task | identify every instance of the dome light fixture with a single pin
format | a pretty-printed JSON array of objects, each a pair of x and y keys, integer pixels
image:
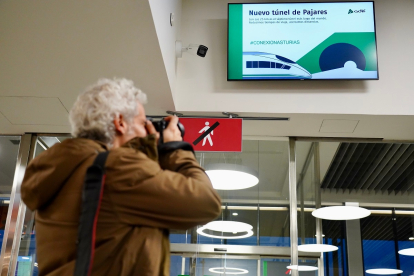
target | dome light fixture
[
  {"x": 317, "y": 248},
  {"x": 228, "y": 270},
  {"x": 302, "y": 267},
  {"x": 407, "y": 252},
  {"x": 341, "y": 213},
  {"x": 231, "y": 176},
  {"x": 234, "y": 227},
  {"x": 384, "y": 271}
]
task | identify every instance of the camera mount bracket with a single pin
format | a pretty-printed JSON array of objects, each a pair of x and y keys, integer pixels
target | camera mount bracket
[{"x": 195, "y": 49}]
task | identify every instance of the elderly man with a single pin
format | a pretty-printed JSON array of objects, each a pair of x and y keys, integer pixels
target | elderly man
[{"x": 147, "y": 190}]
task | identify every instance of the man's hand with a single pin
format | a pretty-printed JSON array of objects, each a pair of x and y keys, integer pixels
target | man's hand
[
  {"x": 151, "y": 129},
  {"x": 172, "y": 133}
]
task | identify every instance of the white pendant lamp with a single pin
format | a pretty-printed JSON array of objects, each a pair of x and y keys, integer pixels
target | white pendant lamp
[
  {"x": 384, "y": 271},
  {"x": 317, "y": 248},
  {"x": 239, "y": 230},
  {"x": 231, "y": 176},
  {"x": 228, "y": 270},
  {"x": 407, "y": 252},
  {"x": 341, "y": 213},
  {"x": 302, "y": 267}
]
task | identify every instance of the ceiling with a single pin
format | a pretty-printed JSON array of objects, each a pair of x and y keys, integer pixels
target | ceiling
[
  {"x": 382, "y": 168},
  {"x": 51, "y": 50}
]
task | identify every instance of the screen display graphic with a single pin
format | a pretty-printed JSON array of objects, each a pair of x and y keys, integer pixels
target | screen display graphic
[{"x": 302, "y": 41}]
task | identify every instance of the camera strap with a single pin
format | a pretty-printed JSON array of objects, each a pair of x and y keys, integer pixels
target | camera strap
[{"x": 91, "y": 200}]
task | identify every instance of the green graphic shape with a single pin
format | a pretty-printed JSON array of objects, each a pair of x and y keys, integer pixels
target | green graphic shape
[
  {"x": 363, "y": 41},
  {"x": 235, "y": 50}
]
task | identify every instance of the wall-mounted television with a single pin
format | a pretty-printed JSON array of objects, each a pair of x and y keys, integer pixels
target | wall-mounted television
[{"x": 306, "y": 41}]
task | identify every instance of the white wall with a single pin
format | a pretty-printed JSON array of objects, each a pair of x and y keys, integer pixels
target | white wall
[
  {"x": 167, "y": 34},
  {"x": 202, "y": 84}
]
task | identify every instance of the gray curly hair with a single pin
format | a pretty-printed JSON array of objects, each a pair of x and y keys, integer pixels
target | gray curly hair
[{"x": 94, "y": 110}]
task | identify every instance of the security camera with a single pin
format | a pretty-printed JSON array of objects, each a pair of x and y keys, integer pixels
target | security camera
[
  {"x": 196, "y": 49},
  {"x": 202, "y": 50}
]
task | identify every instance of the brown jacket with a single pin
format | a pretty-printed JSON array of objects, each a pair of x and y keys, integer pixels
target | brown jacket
[{"x": 144, "y": 196}]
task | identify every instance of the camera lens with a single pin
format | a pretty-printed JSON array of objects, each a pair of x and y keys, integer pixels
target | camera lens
[{"x": 161, "y": 125}]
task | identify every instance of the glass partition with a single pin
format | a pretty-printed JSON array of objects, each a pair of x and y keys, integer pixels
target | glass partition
[
  {"x": 404, "y": 229},
  {"x": 268, "y": 199},
  {"x": 253, "y": 265},
  {"x": 388, "y": 240},
  {"x": 375, "y": 176},
  {"x": 275, "y": 226},
  {"x": 261, "y": 208},
  {"x": 378, "y": 242},
  {"x": 9, "y": 148},
  {"x": 335, "y": 261},
  {"x": 305, "y": 175},
  {"x": 26, "y": 263}
]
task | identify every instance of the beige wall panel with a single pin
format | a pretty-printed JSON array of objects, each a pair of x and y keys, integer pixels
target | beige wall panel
[
  {"x": 34, "y": 111},
  {"x": 57, "y": 48}
]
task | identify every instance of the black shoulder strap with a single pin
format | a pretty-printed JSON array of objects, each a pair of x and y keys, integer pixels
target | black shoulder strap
[{"x": 91, "y": 200}]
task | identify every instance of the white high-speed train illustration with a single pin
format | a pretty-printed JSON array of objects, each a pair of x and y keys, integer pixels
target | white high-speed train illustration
[{"x": 260, "y": 65}]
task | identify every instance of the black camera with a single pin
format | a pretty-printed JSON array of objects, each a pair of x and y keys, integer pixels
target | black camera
[
  {"x": 202, "y": 51},
  {"x": 161, "y": 125}
]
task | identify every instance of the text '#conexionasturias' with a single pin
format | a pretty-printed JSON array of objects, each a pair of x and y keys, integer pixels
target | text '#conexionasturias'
[{"x": 310, "y": 12}]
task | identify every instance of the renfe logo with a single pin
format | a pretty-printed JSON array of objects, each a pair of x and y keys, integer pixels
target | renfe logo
[{"x": 356, "y": 11}]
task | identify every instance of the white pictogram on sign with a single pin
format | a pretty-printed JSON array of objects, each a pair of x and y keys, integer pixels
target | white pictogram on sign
[{"x": 204, "y": 129}]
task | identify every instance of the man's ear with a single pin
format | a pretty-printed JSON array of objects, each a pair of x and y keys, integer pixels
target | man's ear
[{"x": 121, "y": 126}]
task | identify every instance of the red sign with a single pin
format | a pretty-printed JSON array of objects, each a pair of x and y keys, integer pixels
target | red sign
[{"x": 209, "y": 134}]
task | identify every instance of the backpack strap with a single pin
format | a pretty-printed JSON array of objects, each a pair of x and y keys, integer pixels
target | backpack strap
[{"x": 91, "y": 200}]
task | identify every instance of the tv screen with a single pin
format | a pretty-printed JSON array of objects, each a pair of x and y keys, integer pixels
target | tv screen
[{"x": 308, "y": 41}]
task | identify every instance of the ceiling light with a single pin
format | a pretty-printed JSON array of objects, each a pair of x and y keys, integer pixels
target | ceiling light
[
  {"x": 302, "y": 267},
  {"x": 407, "y": 252},
  {"x": 231, "y": 176},
  {"x": 411, "y": 238},
  {"x": 228, "y": 270},
  {"x": 317, "y": 248},
  {"x": 235, "y": 214},
  {"x": 341, "y": 213},
  {"x": 384, "y": 271},
  {"x": 322, "y": 235},
  {"x": 227, "y": 227}
]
